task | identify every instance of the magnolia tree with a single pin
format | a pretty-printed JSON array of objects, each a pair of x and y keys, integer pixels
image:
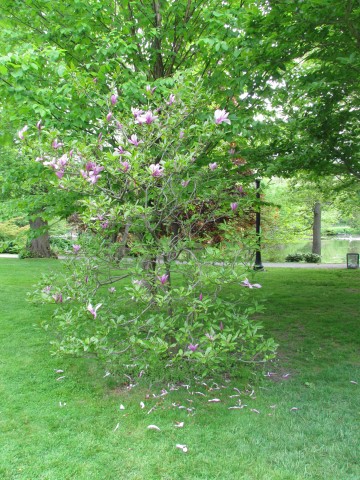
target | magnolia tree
[{"x": 139, "y": 293}]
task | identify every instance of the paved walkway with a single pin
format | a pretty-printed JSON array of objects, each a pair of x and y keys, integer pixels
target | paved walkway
[{"x": 266, "y": 264}]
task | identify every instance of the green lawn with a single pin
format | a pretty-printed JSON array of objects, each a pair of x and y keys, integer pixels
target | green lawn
[{"x": 300, "y": 422}]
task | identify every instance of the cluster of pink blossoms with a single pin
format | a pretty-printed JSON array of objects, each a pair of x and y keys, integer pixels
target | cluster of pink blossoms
[{"x": 91, "y": 172}]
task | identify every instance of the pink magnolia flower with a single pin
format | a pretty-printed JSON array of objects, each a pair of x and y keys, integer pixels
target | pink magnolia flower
[
  {"x": 134, "y": 140},
  {"x": 156, "y": 170},
  {"x": 200, "y": 297},
  {"x": 55, "y": 144},
  {"x": 213, "y": 166},
  {"x": 91, "y": 173},
  {"x": 246, "y": 283},
  {"x": 47, "y": 289},
  {"x": 112, "y": 289},
  {"x": 58, "y": 297},
  {"x": 120, "y": 151},
  {"x": 171, "y": 99},
  {"x": 22, "y": 131},
  {"x": 192, "y": 347},
  {"x": 125, "y": 166},
  {"x": 113, "y": 99},
  {"x": 105, "y": 224},
  {"x": 163, "y": 279},
  {"x": 93, "y": 310},
  {"x": 185, "y": 183},
  {"x": 234, "y": 206},
  {"x": 109, "y": 116},
  {"x": 76, "y": 248},
  {"x": 147, "y": 118},
  {"x": 150, "y": 90},
  {"x": 39, "y": 126},
  {"x": 60, "y": 173},
  {"x": 221, "y": 117},
  {"x": 240, "y": 189},
  {"x": 136, "y": 112}
]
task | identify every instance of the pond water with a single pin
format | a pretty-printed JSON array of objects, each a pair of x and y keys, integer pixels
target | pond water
[{"x": 333, "y": 249}]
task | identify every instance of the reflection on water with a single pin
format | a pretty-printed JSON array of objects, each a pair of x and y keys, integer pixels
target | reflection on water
[{"x": 333, "y": 250}]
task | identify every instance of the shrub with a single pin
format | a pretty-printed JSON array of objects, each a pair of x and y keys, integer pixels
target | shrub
[
  {"x": 9, "y": 247},
  {"x": 294, "y": 257},
  {"x": 312, "y": 258}
]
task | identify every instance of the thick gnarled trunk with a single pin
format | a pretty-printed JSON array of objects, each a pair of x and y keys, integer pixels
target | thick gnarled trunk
[{"x": 40, "y": 241}]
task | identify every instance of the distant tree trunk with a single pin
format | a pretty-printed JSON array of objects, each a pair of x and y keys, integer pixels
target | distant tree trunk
[
  {"x": 40, "y": 243},
  {"x": 316, "y": 245}
]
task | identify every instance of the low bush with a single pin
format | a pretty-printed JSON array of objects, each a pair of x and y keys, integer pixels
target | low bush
[
  {"x": 294, "y": 257},
  {"x": 312, "y": 258}
]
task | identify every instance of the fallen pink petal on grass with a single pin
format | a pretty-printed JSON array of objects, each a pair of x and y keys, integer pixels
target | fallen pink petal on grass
[
  {"x": 254, "y": 410},
  {"x": 142, "y": 405},
  {"x": 353, "y": 382},
  {"x": 179, "y": 424},
  {"x": 153, "y": 427},
  {"x": 184, "y": 448},
  {"x": 121, "y": 407},
  {"x": 214, "y": 400}
]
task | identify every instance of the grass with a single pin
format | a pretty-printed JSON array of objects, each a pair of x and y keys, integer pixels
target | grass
[{"x": 300, "y": 421}]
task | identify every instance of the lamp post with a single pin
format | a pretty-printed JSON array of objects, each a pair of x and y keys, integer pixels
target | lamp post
[{"x": 258, "y": 264}]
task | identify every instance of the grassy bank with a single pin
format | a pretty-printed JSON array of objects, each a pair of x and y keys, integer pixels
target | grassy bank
[{"x": 300, "y": 420}]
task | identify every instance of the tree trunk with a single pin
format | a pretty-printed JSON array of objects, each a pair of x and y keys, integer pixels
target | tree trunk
[
  {"x": 316, "y": 245},
  {"x": 40, "y": 241}
]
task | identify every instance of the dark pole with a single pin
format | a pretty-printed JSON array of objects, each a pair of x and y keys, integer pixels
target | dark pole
[{"x": 258, "y": 264}]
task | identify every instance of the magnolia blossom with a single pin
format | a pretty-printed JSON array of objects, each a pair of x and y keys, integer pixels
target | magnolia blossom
[
  {"x": 234, "y": 206},
  {"x": 147, "y": 117},
  {"x": 213, "y": 166},
  {"x": 156, "y": 170},
  {"x": 113, "y": 99},
  {"x": 150, "y": 90},
  {"x": 112, "y": 289},
  {"x": 58, "y": 297},
  {"x": 109, "y": 116},
  {"x": 60, "y": 173},
  {"x": 136, "y": 111},
  {"x": 55, "y": 144},
  {"x": 58, "y": 165},
  {"x": 221, "y": 117},
  {"x": 22, "y": 131},
  {"x": 47, "y": 289},
  {"x": 93, "y": 310},
  {"x": 200, "y": 297},
  {"x": 105, "y": 224},
  {"x": 246, "y": 283},
  {"x": 134, "y": 140},
  {"x": 171, "y": 99},
  {"x": 163, "y": 279},
  {"x": 120, "y": 151},
  {"x": 76, "y": 248},
  {"x": 185, "y": 183},
  {"x": 125, "y": 166},
  {"x": 91, "y": 172},
  {"x": 193, "y": 347},
  {"x": 39, "y": 126}
]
